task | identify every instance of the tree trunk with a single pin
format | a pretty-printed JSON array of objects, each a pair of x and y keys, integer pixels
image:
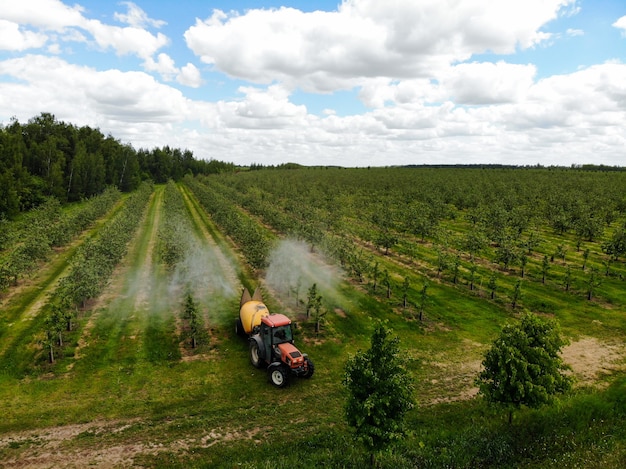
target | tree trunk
[
  {"x": 69, "y": 184},
  {"x": 123, "y": 171}
]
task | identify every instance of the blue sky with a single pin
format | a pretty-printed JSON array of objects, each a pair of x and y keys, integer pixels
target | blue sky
[{"x": 353, "y": 82}]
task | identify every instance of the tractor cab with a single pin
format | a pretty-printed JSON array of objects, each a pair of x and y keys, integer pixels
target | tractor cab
[{"x": 277, "y": 337}]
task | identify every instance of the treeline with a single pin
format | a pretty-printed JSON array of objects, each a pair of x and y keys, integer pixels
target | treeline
[
  {"x": 259, "y": 166},
  {"x": 49, "y": 158}
]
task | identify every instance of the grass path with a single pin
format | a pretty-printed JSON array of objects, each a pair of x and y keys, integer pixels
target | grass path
[
  {"x": 221, "y": 271},
  {"x": 209, "y": 235},
  {"x": 114, "y": 332}
]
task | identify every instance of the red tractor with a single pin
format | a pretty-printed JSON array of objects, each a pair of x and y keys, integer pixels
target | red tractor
[{"x": 271, "y": 341}]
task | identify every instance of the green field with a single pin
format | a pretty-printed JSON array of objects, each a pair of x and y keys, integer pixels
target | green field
[{"x": 127, "y": 389}]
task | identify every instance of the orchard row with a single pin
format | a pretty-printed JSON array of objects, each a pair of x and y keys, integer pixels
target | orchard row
[
  {"x": 496, "y": 232},
  {"x": 92, "y": 267},
  {"x": 26, "y": 243}
]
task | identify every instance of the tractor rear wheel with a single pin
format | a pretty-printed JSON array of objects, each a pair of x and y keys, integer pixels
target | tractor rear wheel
[
  {"x": 239, "y": 327},
  {"x": 255, "y": 354},
  {"x": 279, "y": 375}
]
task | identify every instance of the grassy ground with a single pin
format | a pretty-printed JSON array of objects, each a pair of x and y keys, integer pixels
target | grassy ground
[{"x": 128, "y": 391}]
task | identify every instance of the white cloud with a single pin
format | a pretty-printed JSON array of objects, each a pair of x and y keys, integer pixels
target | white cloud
[
  {"x": 136, "y": 17},
  {"x": 54, "y": 49},
  {"x": 189, "y": 75},
  {"x": 163, "y": 65},
  {"x": 13, "y": 38},
  {"x": 488, "y": 83},
  {"x": 53, "y": 15},
  {"x": 621, "y": 24},
  {"x": 556, "y": 120},
  {"x": 464, "y": 84},
  {"x": 364, "y": 39},
  {"x": 575, "y": 32},
  {"x": 113, "y": 100},
  {"x": 127, "y": 40},
  {"x": 262, "y": 109}
]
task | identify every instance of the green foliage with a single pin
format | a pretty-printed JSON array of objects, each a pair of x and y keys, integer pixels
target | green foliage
[
  {"x": 174, "y": 231},
  {"x": 423, "y": 299},
  {"x": 314, "y": 300},
  {"x": 195, "y": 330},
  {"x": 475, "y": 242},
  {"x": 517, "y": 293},
  {"x": 386, "y": 281},
  {"x": 492, "y": 285},
  {"x": 567, "y": 278},
  {"x": 384, "y": 223},
  {"x": 593, "y": 282},
  {"x": 523, "y": 367},
  {"x": 406, "y": 285},
  {"x": 380, "y": 391},
  {"x": 507, "y": 252},
  {"x": 616, "y": 246},
  {"x": 545, "y": 267}
]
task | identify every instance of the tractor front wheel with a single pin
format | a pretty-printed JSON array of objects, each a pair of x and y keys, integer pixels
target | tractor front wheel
[
  {"x": 279, "y": 375},
  {"x": 310, "y": 368}
]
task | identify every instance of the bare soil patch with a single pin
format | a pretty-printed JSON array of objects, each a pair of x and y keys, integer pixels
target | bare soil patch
[
  {"x": 591, "y": 359},
  {"x": 64, "y": 447}
]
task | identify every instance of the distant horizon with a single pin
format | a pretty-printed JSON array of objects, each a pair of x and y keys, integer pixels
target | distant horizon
[
  {"x": 455, "y": 165},
  {"x": 353, "y": 83}
]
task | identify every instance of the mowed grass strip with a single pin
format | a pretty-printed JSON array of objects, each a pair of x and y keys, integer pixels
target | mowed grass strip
[{"x": 117, "y": 334}]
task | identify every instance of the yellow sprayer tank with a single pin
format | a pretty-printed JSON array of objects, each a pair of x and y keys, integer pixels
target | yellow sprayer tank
[{"x": 252, "y": 309}]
